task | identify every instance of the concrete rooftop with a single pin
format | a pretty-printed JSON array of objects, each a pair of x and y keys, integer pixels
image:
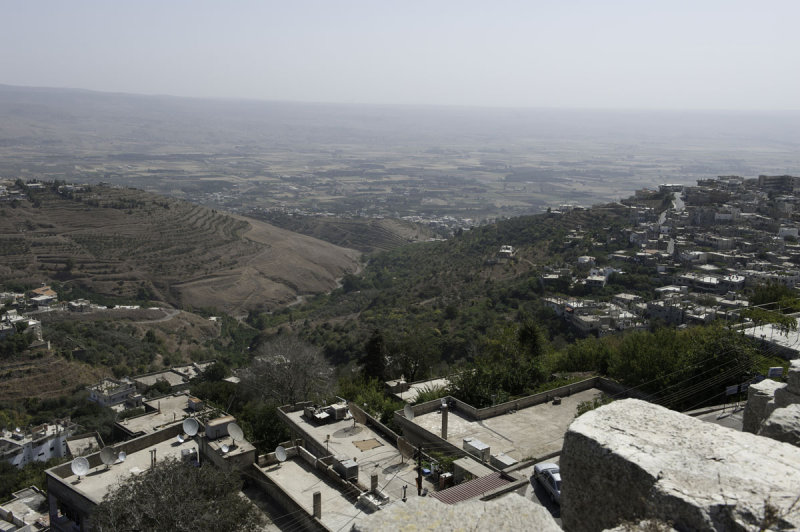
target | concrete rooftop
[
  {"x": 100, "y": 480},
  {"x": 414, "y": 389},
  {"x": 383, "y": 459},
  {"x": 172, "y": 408},
  {"x": 296, "y": 478},
  {"x": 530, "y": 432}
]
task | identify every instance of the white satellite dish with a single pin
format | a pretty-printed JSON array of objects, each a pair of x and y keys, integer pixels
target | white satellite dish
[
  {"x": 80, "y": 466},
  {"x": 121, "y": 456},
  {"x": 225, "y": 448},
  {"x": 108, "y": 456},
  {"x": 408, "y": 411},
  {"x": 190, "y": 426},
  {"x": 181, "y": 439},
  {"x": 406, "y": 449},
  {"x": 235, "y": 432},
  {"x": 280, "y": 453}
]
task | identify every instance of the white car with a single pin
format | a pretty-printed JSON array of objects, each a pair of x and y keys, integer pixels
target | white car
[{"x": 549, "y": 476}]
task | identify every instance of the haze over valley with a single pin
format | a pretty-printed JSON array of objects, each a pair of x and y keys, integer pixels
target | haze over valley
[{"x": 424, "y": 163}]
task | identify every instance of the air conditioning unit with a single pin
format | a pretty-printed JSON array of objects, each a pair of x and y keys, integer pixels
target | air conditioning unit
[
  {"x": 477, "y": 448},
  {"x": 347, "y": 469}
]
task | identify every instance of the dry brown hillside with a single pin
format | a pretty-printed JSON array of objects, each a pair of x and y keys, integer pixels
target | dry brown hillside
[{"x": 129, "y": 243}]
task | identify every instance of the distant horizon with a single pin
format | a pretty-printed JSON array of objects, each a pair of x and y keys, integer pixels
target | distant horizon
[
  {"x": 622, "y": 55},
  {"x": 411, "y": 105}
]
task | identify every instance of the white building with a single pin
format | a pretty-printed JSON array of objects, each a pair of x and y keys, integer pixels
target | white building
[{"x": 38, "y": 444}]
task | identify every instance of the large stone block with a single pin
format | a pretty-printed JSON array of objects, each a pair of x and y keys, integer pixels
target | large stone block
[
  {"x": 783, "y": 424},
  {"x": 758, "y": 405},
  {"x": 631, "y": 460},
  {"x": 793, "y": 377}
]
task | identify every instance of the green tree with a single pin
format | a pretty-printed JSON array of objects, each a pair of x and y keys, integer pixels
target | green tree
[
  {"x": 374, "y": 359},
  {"x": 176, "y": 496}
]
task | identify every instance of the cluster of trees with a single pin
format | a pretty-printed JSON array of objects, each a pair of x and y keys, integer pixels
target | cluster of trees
[
  {"x": 177, "y": 496},
  {"x": 15, "y": 344},
  {"x": 681, "y": 369}
]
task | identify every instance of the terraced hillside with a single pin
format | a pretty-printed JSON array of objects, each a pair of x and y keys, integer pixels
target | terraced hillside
[
  {"x": 131, "y": 244},
  {"x": 363, "y": 234}
]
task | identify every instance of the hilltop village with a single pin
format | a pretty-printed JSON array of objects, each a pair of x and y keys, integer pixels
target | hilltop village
[{"x": 445, "y": 464}]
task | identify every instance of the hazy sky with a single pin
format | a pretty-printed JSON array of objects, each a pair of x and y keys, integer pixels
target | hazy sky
[{"x": 720, "y": 54}]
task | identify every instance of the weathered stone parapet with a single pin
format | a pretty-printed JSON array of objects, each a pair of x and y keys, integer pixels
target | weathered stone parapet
[
  {"x": 758, "y": 406},
  {"x": 783, "y": 424},
  {"x": 631, "y": 460},
  {"x": 510, "y": 513}
]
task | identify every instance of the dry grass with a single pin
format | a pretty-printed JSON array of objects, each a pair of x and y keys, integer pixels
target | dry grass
[
  {"x": 125, "y": 242},
  {"x": 42, "y": 375}
]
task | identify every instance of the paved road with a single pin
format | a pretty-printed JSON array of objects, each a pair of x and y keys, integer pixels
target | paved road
[{"x": 538, "y": 494}]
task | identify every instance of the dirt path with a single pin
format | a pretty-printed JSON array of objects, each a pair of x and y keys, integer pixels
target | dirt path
[{"x": 170, "y": 313}]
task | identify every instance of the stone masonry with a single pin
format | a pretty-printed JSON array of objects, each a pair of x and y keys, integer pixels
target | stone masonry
[
  {"x": 631, "y": 460},
  {"x": 768, "y": 399}
]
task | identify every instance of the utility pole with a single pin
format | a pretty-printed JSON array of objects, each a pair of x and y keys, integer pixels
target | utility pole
[{"x": 419, "y": 470}]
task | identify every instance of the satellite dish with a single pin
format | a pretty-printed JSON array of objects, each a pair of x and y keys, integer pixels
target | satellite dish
[
  {"x": 358, "y": 415},
  {"x": 225, "y": 448},
  {"x": 121, "y": 456},
  {"x": 108, "y": 456},
  {"x": 408, "y": 411},
  {"x": 80, "y": 466},
  {"x": 406, "y": 449},
  {"x": 235, "y": 432},
  {"x": 280, "y": 453},
  {"x": 181, "y": 439},
  {"x": 190, "y": 426}
]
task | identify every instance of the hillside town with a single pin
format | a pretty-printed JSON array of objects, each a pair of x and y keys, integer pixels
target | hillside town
[
  {"x": 344, "y": 469},
  {"x": 713, "y": 240}
]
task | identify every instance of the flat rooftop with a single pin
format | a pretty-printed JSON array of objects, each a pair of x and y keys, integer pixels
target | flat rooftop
[
  {"x": 410, "y": 395},
  {"x": 172, "y": 408},
  {"x": 100, "y": 480},
  {"x": 372, "y": 453},
  {"x": 174, "y": 379},
  {"x": 298, "y": 479},
  {"x": 774, "y": 334},
  {"x": 29, "y": 505},
  {"x": 527, "y": 433},
  {"x": 83, "y": 445}
]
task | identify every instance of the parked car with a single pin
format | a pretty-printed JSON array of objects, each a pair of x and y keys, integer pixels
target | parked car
[{"x": 549, "y": 476}]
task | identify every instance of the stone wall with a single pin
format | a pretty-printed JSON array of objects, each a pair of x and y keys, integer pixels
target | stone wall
[
  {"x": 510, "y": 513},
  {"x": 631, "y": 460},
  {"x": 769, "y": 399}
]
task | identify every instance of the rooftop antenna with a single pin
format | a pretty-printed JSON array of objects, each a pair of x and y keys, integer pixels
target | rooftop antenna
[
  {"x": 235, "y": 432},
  {"x": 408, "y": 411},
  {"x": 181, "y": 438},
  {"x": 225, "y": 449},
  {"x": 108, "y": 456},
  {"x": 280, "y": 453},
  {"x": 80, "y": 466},
  {"x": 121, "y": 457}
]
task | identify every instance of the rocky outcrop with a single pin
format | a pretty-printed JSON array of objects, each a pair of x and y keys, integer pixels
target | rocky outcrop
[
  {"x": 630, "y": 461},
  {"x": 510, "y": 513},
  {"x": 766, "y": 398},
  {"x": 783, "y": 425},
  {"x": 760, "y": 398}
]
